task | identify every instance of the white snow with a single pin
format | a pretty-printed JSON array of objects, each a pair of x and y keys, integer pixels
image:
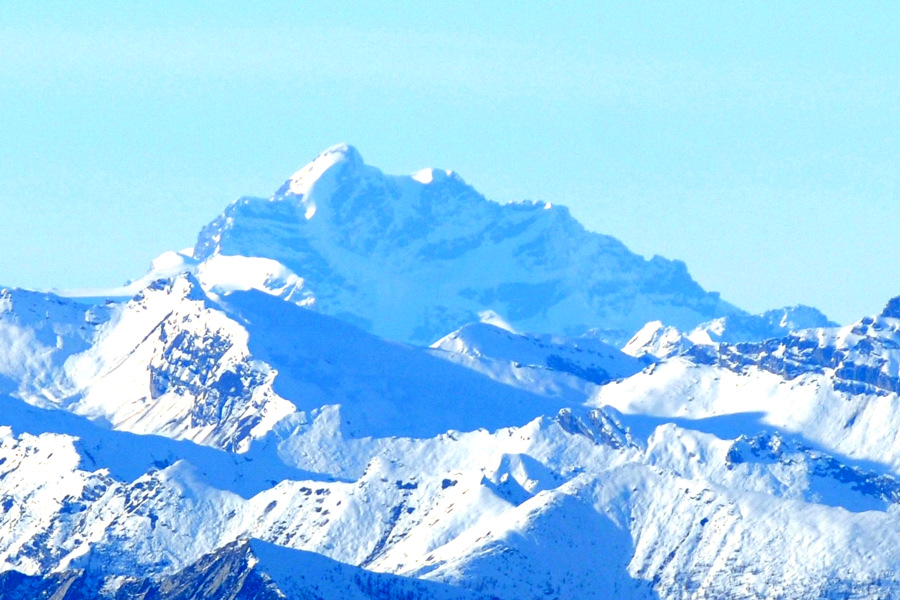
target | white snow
[{"x": 212, "y": 406}]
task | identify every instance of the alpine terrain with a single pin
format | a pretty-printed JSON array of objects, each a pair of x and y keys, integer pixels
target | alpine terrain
[{"x": 371, "y": 386}]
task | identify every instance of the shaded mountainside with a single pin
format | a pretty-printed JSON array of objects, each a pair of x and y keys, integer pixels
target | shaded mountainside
[{"x": 244, "y": 570}]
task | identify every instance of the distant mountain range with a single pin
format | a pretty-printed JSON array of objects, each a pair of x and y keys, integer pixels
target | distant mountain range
[{"x": 375, "y": 387}]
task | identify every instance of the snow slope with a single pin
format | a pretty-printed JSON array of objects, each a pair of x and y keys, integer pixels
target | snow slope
[
  {"x": 565, "y": 368},
  {"x": 570, "y": 506},
  {"x": 834, "y": 387},
  {"x": 174, "y": 362}
]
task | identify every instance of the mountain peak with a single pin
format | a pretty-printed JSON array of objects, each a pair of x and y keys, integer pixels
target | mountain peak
[
  {"x": 411, "y": 257},
  {"x": 335, "y": 158},
  {"x": 339, "y": 153}
]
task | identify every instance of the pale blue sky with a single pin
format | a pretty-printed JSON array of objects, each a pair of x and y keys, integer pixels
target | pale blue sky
[{"x": 755, "y": 141}]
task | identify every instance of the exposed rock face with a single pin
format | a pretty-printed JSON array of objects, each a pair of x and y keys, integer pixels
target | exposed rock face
[
  {"x": 413, "y": 258},
  {"x": 862, "y": 357},
  {"x": 245, "y": 570},
  {"x": 658, "y": 340},
  {"x": 61, "y": 586}
]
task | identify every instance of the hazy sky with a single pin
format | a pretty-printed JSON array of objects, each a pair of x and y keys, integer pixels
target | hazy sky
[{"x": 758, "y": 142}]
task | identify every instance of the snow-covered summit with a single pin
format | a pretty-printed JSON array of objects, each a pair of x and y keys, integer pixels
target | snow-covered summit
[
  {"x": 331, "y": 161},
  {"x": 414, "y": 257}
]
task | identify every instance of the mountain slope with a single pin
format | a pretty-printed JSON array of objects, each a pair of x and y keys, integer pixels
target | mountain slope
[
  {"x": 665, "y": 512},
  {"x": 412, "y": 258},
  {"x": 175, "y": 362},
  {"x": 835, "y": 388},
  {"x": 244, "y": 570},
  {"x": 568, "y": 369},
  {"x": 229, "y": 430}
]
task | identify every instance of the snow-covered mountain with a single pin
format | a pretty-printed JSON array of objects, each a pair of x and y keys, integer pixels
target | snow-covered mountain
[
  {"x": 661, "y": 340},
  {"x": 251, "y": 422},
  {"x": 412, "y": 258},
  {"x": 575, "y": 502}
]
